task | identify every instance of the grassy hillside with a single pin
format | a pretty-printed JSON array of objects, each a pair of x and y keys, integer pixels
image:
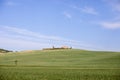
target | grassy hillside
[
  {"x": 77, "y": 58},
  {"x": 60, "y": 65}
]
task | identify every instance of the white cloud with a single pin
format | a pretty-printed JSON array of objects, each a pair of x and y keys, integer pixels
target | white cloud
[
  {"x": 115, "y": 4},
  {"x": 25, "y": 32},
  {"x": 89, "y": 10},
  {"x": 111, "y": 25},
  {"x": 68, "y": 15},
  {"x": 18, "y": 44},
  {"x": 86, "y": 9},
  {"x": 14, "y": 37}
]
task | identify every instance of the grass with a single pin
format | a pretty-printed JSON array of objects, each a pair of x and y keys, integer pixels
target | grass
[
  {"x": 60, "y": 65},
  {"x": 37, "y": 73}
]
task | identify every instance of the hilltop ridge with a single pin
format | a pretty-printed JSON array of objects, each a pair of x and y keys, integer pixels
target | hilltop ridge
[{"x": 4, "y": 50}]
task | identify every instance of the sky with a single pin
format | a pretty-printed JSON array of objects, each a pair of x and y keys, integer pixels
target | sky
[{"x": 81, "y": 24}]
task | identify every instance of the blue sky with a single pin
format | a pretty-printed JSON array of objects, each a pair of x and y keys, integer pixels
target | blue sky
[{"x": 82, "y": 24}]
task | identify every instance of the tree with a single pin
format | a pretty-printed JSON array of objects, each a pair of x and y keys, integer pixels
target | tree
[{"x": 16, "y": 61}]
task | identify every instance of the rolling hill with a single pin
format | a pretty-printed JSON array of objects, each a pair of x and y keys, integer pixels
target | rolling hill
[
  {"x": 64, "y": 64},
  {"x": 66, "y": 58}
]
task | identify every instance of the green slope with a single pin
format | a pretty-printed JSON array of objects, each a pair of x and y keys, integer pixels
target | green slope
[
  {"x": 66, "y": 58},
  {"x": 60, "y": 65}
]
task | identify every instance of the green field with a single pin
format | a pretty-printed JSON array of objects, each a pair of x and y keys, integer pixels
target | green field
[{"x": 60, "y": 65}]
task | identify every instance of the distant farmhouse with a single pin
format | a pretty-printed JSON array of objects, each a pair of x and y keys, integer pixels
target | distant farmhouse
[{"x": 57, "y": 48}]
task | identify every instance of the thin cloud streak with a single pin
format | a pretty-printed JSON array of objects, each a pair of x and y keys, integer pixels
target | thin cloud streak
[
  {"x": 18, "y": 44},
  {"x": 68, "y": 15},
  {"x": 86, "y": 9},
  {"x": 28, "y": 33},
  {"x": 89, "y": 10},
  {"x": 110, "y": 25},
  {"x": 115, "y": 4},
  {"x": 18, "y": 37}
]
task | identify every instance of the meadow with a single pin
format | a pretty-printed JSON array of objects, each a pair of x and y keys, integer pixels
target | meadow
[{"x": 60, "y": 65}]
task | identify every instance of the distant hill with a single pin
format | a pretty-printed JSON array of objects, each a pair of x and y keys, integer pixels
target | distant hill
[{"x": 4, "y": 51}]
